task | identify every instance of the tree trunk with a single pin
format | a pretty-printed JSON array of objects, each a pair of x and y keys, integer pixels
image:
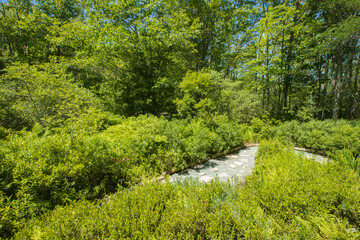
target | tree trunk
[
  {"x": 324, "y": 86},
  {"x": 286, "y": 84},
  {"x": 350, "y": 100},
  {"x": 279, "y": 106},
  {"x": 319, "y": 92},
  {"x": 267, "y": 74},
  {"x": 289, "y": 59},
  {"x": 357, "y": 74},
  {"x": 337, "y": 84}
]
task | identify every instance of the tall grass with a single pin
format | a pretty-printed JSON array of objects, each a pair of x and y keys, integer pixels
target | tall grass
[{"x": 347, "y": 158}]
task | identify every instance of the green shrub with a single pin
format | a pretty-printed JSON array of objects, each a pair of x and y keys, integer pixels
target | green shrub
[
  {"x": 3, "y": 133},
  {"x": 183, "y": 211},
  {"x": 289, "y": 185},
  {"x": 287, "y": 194},
  {"x": 323, "y": 136},
  {"x": 38, "y": 173},
  {"x": 198, "y": 141},
  {"x": 89, "y": 158},
  {"x": 147, "y": 140},
  {"x": 347, "y": 158},
  {"x": 230, "y": 132},
  {"x": 206, "y": 93},
  {"x": 261, "y": 129},
  {"x": 287, "y": 197},
  {"x": 201, "y": 94},
  {"x": 8, "y": 220},
  {"x": 44, "y": 94}
]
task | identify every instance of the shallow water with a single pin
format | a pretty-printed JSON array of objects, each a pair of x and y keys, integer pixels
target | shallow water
[{"x": 236, "y": 165}]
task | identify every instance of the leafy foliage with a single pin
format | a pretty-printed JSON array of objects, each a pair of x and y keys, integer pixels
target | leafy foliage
[
  {"x": 201, "y": 93},
  {"x": 90, "y": 158},
  {"x": 347, "y": 158},
  {"x": 288, "y": 196},
  {"x": 206, "y": 93},
  {"x": 41, "y": 94},
  {"x": 203, "y": 65},
  {"x": 323, "y": 136}
]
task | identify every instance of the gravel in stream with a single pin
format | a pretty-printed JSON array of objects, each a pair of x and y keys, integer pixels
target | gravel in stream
[{"x": 237, "y": 165}]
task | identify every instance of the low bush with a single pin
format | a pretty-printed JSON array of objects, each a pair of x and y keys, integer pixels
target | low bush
[
  {"x": 91, "y": 157},
  {"x": 289, "y": 185},
  {"x": 287, "y": 197},
  {"x": 4, "y": 133},
  {"x": 322, "y": 136},
  {"x": 347, "y": 158},
  {"x": 39, "y": 173},
  {"x": 326, "y": 136},
  {"x": 189, "y": 211},
  {"x": 177, "y": 142},
  {"x": 287, "y": 194}
]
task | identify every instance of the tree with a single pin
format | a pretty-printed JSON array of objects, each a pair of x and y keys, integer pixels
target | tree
[
  {"x": 340, "y": 44},
  {"x": 41, "y": 94}
]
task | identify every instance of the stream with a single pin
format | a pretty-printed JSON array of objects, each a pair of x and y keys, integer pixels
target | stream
[{"x": 236, "y": 165}]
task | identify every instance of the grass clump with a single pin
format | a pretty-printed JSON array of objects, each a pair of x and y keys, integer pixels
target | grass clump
[{"x": 348, "y": 158}]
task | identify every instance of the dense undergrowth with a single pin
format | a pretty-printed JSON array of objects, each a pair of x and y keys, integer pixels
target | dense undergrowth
[
  {"x": 92, "y": 157},
  {"x": 339, "y": 140},
  {"x": 326, "y": 136},
  {"x": 287, "y": 197},
  {"x": 100, "y": 153}
]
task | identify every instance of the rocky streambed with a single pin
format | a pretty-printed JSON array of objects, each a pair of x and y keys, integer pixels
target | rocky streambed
[{"x": 236, "y": 165}]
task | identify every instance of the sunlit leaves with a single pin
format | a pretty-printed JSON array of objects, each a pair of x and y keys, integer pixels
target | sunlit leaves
[{"x": 43, "y": 94}]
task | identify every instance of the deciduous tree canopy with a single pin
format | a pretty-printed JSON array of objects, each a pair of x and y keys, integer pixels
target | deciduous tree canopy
[{"x": 293, "y": 57}]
